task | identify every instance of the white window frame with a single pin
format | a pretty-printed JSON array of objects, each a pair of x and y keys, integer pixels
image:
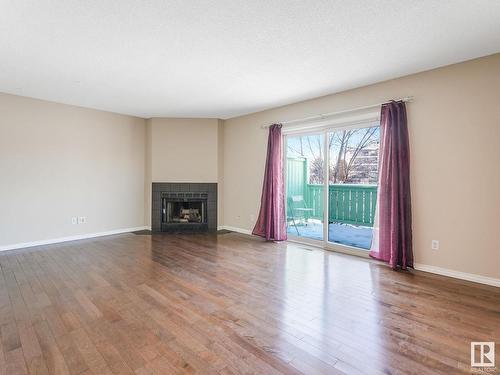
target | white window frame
[{"x": 324, "y": 127}]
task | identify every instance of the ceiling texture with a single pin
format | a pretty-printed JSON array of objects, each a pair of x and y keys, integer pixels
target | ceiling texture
[{"x": 224, "y": 58}]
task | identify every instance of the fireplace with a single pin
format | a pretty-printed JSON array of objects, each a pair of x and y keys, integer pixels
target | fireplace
[{"x": 184, "y": 207}]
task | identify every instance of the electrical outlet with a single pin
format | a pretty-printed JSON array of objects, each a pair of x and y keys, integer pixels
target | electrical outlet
[
  {"x": 435, "y": 245},
  {"x": 74, "y": 220},
  {"x": 82, "y": 220}
]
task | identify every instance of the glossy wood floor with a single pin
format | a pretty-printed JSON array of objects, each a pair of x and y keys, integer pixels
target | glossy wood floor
[{"x": 231, "y": 304}]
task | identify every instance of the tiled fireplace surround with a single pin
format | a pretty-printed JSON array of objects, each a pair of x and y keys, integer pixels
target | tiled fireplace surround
[{"x": 159, "y": 187}]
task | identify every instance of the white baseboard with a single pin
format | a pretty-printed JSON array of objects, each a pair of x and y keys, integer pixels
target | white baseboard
[
  {"x": 234, "y": 229},
  {"x": 69, "y": 238},
  {"x": 458, "y": 274}
]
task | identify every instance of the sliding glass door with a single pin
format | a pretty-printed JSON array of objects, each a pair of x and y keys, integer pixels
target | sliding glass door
[
  {"x": 331, "y": 184},
  {"x": 304, "y": 185},
  {"x": 352, "y": 185}
]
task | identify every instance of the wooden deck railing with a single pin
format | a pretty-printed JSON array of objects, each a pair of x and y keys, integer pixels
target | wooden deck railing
[{"x": 350, "y": 204}]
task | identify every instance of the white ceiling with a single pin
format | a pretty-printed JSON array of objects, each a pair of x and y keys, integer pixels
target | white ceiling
[{"x": 222, "y": 58}]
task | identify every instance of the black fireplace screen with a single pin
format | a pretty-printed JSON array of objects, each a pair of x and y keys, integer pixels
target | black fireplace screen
[{"x": 184, "y": 208}]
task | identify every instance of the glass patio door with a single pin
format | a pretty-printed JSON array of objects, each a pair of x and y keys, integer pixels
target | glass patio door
[
  {"x": 331, "y": 184},
  {"x": 352, "y": 184},
  {"x": 305, "y": 160}
]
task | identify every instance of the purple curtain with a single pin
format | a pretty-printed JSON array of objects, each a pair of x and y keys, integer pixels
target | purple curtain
[
  {"x": 271, "y": 223},
  {"x": 394, "y": 242}
]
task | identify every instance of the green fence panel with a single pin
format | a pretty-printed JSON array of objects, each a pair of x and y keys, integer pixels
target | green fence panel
[
  {"x": 352, "y": 204},
  {"x": 296, "y": 176},
  {"x": 348, "y": 203}
]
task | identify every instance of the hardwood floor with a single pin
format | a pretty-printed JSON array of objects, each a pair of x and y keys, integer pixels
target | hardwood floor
[{"x": 231, "y": 304}]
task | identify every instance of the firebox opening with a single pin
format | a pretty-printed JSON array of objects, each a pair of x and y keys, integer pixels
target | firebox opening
[
  {"x": 184, "y": 212},
  {"x": 187, "y": 209}
]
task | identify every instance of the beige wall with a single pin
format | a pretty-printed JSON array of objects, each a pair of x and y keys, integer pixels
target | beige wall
[
  {"x": 182, "y": 150},
  {"x": 69, "y": 161},
  {"x": 220, "y": 173},
  {"x": 455, "y": 148},
  {"x": 58, "y": 161},
  {"x": 148, "y": 174}
]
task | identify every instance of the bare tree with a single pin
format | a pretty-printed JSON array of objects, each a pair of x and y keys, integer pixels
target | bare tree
[
  {"x": 343, "y": 139},
  {"x": 366, "y": 140},
  {"x": 310, "y": 147},
  {"x": 350, "y": 143},
  {"x": 316, "y": 171}
]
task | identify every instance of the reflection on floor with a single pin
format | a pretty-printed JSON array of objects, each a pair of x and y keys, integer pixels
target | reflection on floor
[
  {"x": 231, "y": 304},
  {"x": 345, "y": 234}
]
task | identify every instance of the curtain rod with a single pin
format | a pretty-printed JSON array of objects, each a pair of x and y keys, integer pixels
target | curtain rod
[{"x": 324, "y": 115}]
